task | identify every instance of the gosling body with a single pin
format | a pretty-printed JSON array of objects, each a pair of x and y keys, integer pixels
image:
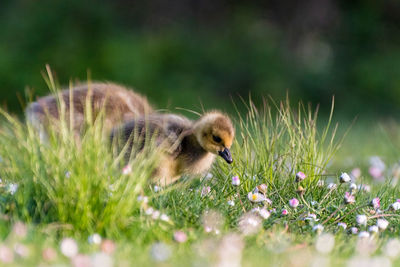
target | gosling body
[
  {"x": 190, "y": 146},
  {"x": 118, "y": 103}
]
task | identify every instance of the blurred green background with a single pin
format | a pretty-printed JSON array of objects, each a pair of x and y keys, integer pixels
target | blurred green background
[{"x": 198, "y": 53}]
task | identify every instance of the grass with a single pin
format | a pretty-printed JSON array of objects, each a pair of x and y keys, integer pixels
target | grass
[{"x": 75, "y": 188}]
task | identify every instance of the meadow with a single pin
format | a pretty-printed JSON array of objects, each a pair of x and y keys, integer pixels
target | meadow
[{"x": 302, "y": 191}]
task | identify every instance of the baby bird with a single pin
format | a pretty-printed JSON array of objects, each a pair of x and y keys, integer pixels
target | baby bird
[
  {"x": 191, "y": 147},
  {"x": 119, "y": 104}
]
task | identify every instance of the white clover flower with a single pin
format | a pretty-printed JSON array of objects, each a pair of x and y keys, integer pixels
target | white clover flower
[
  {"x": 231, "y": 202},
  {"x": 205, "y": 191},
  {"x": 364, "y": 187},
  {"x": 294, "y": 202},
  {"x": 157, "y": 188},
  {"x": 318, "y": 228},
  {"x": 256, "y": 197},
  {"x": 363, "y": 234},
  {"x": 382, "y": 224},
  {"x": 311, "y": 217},
  {"x": 300, "y": 176},
  {"x": 164, "y": 217},
  {"x": 342, "y": 225},
  {"x": 395, "y": 206},
  {"x": 149, "y": 211},
  {"x": 354, "y": 230},
  {"x": 156, "y": 214},
  {"x": 127, "y": 170},
  {"x": 349, "y": 198},
  {"x": 376, "y": 203},
  {"x": 331, "y": 186},
  {"x": 94, "y": 239},
  {"x": 143, "y": 199},
  {"x": 235, "y": 180},
  {"x": 361, "y": 219},
  {"x": 12, "y": 188},
  {"x": 180, "y": 236},
  {"x": 353, "y": 187},
  {"x": 344, "y": 178},
  {"x": 69, "y": 247},
  {"x": 373, "y": 229},
  {"x": 264, "y": 213}
]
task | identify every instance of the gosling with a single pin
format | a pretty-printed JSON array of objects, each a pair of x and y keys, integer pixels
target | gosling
[
  {"x": 191, "y": 147},
  {"x": 119, "y": 104}
]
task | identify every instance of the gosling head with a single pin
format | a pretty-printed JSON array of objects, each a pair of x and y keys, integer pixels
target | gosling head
[{"x": 214, "y": 132}]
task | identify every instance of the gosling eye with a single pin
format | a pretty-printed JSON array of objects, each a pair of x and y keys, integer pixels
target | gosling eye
[{"x": 217, "y": 139}]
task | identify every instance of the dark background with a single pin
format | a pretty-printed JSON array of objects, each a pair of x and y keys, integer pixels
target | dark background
[{"x": 199, "y": 52}]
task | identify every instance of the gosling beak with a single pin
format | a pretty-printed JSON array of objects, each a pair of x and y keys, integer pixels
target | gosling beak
[{"x": 226, "y": 155}]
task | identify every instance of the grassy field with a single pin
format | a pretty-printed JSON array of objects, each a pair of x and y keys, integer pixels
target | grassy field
[{"x": 299, "y": 193}]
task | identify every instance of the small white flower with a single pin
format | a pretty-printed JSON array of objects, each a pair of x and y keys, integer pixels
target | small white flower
[
  {"x": 231, "y": 202},
  {"x": 143, "y": 199},
  {"x": 363, "y": 234},
  {"x": 361, "y": 219},
  {"x": 354, "y": 230},
  {"x": 235, "y": 180},
  {"x": 373, "y": 229},
  {"x": 382, "y": 224},
  {"x": 256, "y": 197},
  {"x": 94, "y": 239},
  {"x": 12, "y": 188},
  {"x": 395, "y": 206},
  {"x": 155, "y": 215},
  {"x": 293, "y": 202},
  {"x": 180, "y": 236},
  {"x": 318, "y": 228},
  {"x": 364, "y": 187},
  {"x": 353, "y": 187},
  {"x": 313, "y": 203},
  {"x": 127, "y": 170},
  {"x": 344, "y": 178},
  {"x": 164, "y": 217},
  {"x": 331, "y": 186},
  {"x": 311, "y": 217},
  {"x": 69, "y": 247},
  {"x": 376, "y": 203},
  {"x": 342, "y": 225},
  {"x": 157, "y": 188},
  {"x": 264, "y": 213},
  {"x": 300, "y": 176},
  {"x": 205, "y": 191},
  {"x": 149, "y": 211}
]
